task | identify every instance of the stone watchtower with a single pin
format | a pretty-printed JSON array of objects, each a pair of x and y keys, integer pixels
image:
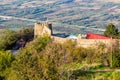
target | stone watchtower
[{"x": 41, "y": 29}]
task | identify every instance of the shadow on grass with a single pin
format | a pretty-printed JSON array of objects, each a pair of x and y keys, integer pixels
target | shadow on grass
[{"x": 84, "y": 73}]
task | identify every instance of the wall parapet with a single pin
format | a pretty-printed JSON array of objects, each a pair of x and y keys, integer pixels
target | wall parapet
[{"x": 88, "y": 42}]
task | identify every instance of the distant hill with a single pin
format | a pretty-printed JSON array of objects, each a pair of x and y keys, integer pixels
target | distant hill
[
  {"x": 88, "y": 14},
  {"x": 115, "y": 1}
]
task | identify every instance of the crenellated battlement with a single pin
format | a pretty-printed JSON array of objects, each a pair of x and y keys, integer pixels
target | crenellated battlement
[{"x": 43, "y": 24}]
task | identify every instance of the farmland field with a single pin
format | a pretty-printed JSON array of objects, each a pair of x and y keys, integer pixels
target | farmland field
[{"x": 70, "y": 16}]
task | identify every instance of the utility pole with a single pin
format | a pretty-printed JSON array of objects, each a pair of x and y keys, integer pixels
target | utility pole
[{"x": 111, "y": 53}]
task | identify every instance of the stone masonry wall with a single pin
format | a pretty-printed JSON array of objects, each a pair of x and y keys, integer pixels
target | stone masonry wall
[
  {"x": 94, "y": 42},
  {"x": 43, "y": 28},
  {"x": 87, "y": 42},
  {"x": 46, "y": 28},
  {"x": 58, "y": 39}
]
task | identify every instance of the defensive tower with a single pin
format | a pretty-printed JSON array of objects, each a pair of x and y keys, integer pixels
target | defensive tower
[{"x": 41, "y": 29}]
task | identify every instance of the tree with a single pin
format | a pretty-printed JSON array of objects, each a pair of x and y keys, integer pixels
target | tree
[
  {"x": 116, "y": 60},
  {"x": 26, "y": 34},
  {"x": 7, "y": 39},
  {"x": 30, "y": 63},
  {"x": 111, "y": 30},
  {"x": 6, "y": 58},
  {"x": 119, "y": 35}
]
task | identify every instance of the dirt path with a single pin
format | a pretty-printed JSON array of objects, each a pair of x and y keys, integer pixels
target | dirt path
[{"x": 105, "y": 70}]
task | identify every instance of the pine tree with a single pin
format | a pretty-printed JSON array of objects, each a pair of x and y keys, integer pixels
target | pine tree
[{"x": 111, "y": 30}]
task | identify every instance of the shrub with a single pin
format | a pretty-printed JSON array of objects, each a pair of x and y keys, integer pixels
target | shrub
[
  {"x": 5, "y": 60},
  {"x": 116, "y": 60},
  {"x": 7, "y": 39}
]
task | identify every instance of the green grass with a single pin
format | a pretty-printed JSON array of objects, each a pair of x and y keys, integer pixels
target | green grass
[
  {"x": 90, "y": 74},
  {"x": 73, "y": 66},
  {"x": 100, "y": 67}
]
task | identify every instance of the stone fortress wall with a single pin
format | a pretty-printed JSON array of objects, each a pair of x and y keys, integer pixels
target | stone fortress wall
[
  {"x": 46, "y": 28},
  {"x": 95, "y": 42},
  {"x": 43, "y": 28},
  {"x": 87, "y": 42}
]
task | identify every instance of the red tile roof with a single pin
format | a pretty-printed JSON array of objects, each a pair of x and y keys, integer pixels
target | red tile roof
[{"x": 96, "y": 36}]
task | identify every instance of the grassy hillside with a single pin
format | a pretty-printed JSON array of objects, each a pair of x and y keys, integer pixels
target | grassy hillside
[{"x": 93, "y": 14}]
